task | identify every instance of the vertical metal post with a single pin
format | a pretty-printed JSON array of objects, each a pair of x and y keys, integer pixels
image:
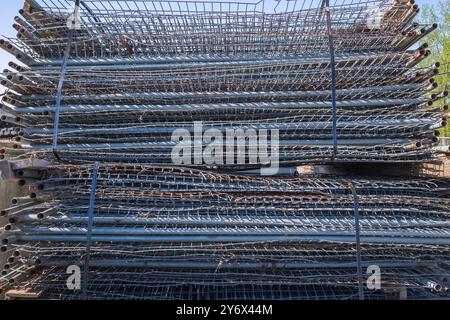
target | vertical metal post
[
  {"x": 89, "y": 229},
  {"x": 358, "y": 244},
  {"x": 61, "y": 79},
  {"x": 326, "y": 3}
]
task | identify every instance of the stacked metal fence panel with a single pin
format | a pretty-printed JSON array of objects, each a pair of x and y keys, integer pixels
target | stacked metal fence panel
[
  {"x": 168, "y": 233},
  {"x": 136, "y": 71},
  {"x": 139, "y": 70}
]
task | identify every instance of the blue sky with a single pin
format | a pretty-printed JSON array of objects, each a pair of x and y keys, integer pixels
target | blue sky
[{"x": 10, "y": 8}]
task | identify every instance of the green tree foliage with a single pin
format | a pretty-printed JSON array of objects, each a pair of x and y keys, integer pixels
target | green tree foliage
[{"x": 439, "y": 44}]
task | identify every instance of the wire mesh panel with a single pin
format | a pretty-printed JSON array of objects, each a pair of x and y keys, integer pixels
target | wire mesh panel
[{"x": 127, "y": 28}]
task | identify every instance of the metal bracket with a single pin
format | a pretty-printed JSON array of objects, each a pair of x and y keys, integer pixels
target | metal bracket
[
  {"x": 61, "y": 82},
  {"x": 89, "y": 229}
]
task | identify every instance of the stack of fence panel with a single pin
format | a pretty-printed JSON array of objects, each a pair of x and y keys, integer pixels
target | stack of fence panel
[
  {"x": 139, "y": 70},
  {"x": 167, "y": 233}
]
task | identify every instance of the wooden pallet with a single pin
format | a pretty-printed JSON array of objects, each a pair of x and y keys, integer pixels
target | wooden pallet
[{"x": 22, "y": 294}]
